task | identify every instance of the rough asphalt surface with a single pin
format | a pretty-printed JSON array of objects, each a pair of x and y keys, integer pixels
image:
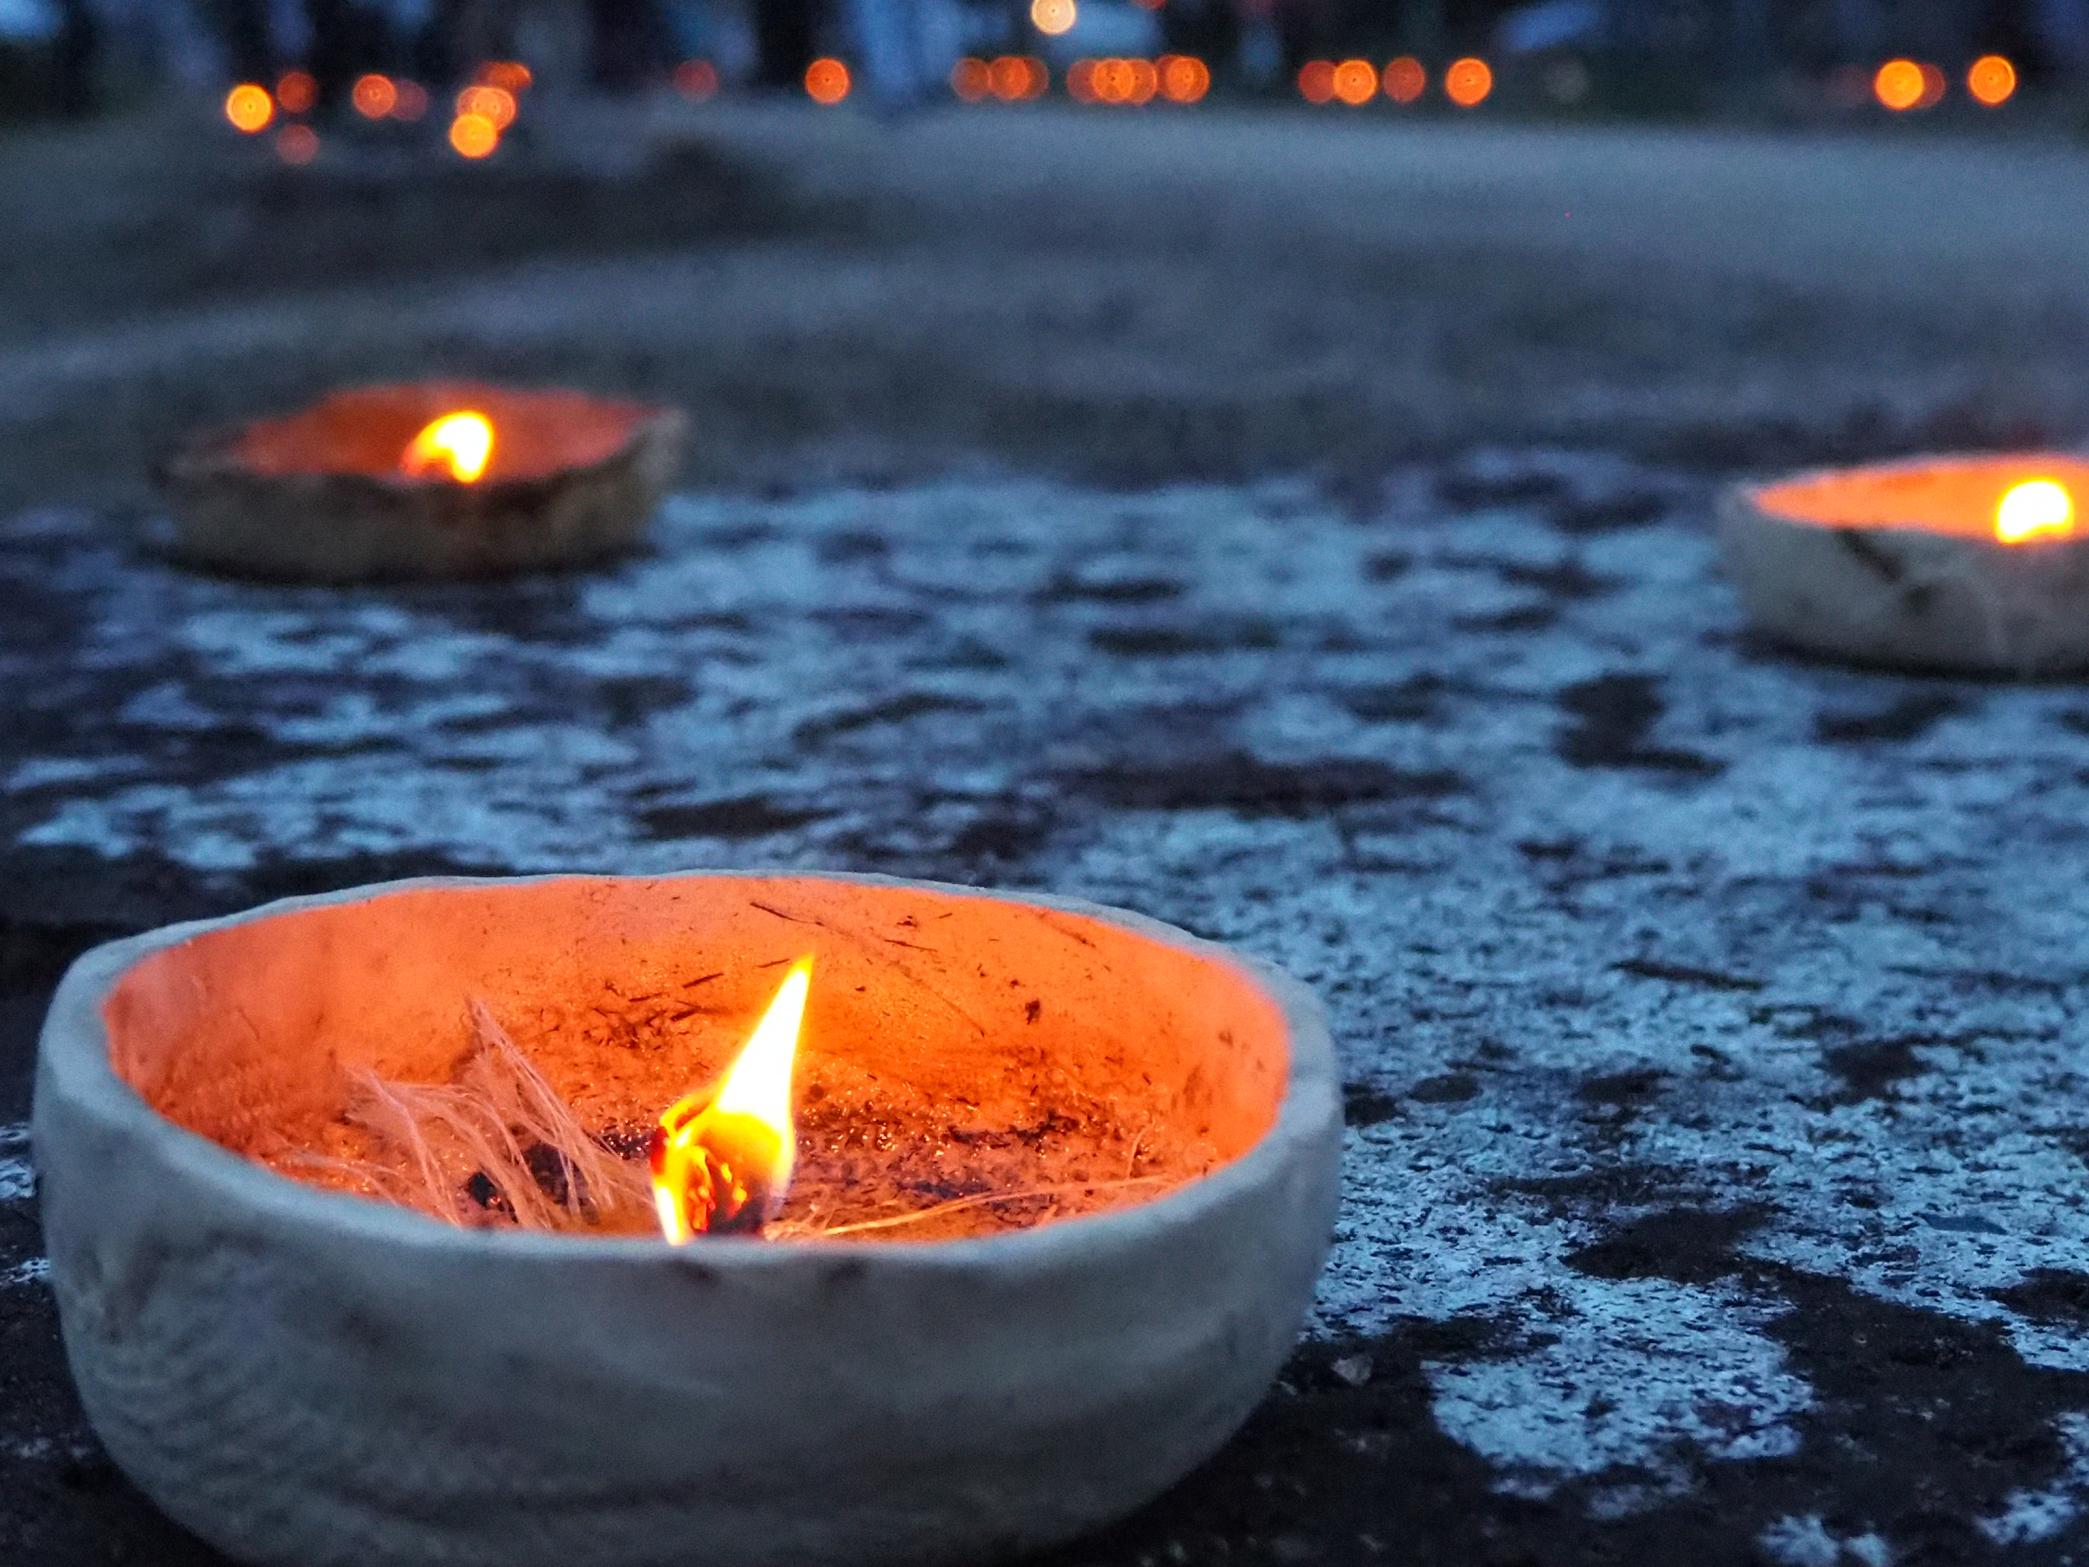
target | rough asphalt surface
[{"x": 1708, "y": 1017}]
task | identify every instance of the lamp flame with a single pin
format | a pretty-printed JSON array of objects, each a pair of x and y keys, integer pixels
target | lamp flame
[
  {"x": 722, "y": 1159},
  {"x": 459, "y": 444},
  {"x": 2035, "y": 509}
]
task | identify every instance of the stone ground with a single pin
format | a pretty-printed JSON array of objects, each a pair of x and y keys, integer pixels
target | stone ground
[{"x": 1296, "y": 531}]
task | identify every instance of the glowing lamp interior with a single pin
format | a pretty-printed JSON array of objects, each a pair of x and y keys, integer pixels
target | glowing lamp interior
[
  {"x": 459, "y": 445},
  {"x": 721, "y": 1162},
  {"x": 2035, "y": 509},
  {"x": 968, "y": 1065},
  {"x": 2018, "y": 498}
]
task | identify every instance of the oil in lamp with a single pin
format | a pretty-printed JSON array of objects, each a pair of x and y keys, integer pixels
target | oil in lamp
[
  {"x": 1963, "y": 564},
  {"x": 769, "y": 1220},
  {"x": 428, "y": 479}
]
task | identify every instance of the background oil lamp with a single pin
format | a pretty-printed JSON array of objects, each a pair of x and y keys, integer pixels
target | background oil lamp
[
  {"x": 435, "y": 479},
  {"x": 1967, "y": 564},
  {"x": 1058, "y": 1188}
]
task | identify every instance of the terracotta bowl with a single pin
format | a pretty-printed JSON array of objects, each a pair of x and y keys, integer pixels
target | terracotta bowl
[
  {"x": 307, "y": 1377},
  {"x": 320, "y": 496},
  {"x": 1897, "y": 564}
]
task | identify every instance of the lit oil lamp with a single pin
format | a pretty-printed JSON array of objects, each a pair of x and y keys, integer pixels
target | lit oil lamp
[
  {"x": 424, "y": 480},
  {"x": 1964, "y": 564},
  {"x": 721, "y": 1162},
  {"x": 1002, "y": 1215},
  {"x": 458, "y": 445}
]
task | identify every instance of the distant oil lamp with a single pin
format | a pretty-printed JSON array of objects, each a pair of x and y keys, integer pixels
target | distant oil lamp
[
  {"x": 994, "y": 1217},
  {"x": 1962, "y": 564},
  {"x": 424, "y": 480}
]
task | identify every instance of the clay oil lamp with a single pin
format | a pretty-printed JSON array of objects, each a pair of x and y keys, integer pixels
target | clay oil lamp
[
  {"x": 436, "y": 479},
  {"x": 717, "y": 1218},
  {"x": 1973, "y": 565}
]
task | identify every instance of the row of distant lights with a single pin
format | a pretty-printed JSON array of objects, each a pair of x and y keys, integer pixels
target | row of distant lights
[
  {"x": 1011, "y": 78},
  {"x": 1905, "y": 85},
  {"x": 487, "y": 108},
  {"x": 1466, "y": 82},
  {"x": 482, "y": 112}
]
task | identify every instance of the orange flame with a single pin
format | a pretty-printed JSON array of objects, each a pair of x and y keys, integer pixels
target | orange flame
[
  {"x": 459, "y": 444},
  {"x": 2035, "y": 509},
  {"x": 722, "y": 1161}
]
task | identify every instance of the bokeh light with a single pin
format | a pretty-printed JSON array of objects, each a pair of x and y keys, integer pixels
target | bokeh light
[
  {"x": 1468, "y": 82},
  {"x": 1356, "y": 82},
  {"x": 1405, "y": 79},
  {"x": 489, "y": 103},
  {"x": 297, "y": 91},
  {"x": 827, "y": 81},
  {"x": 508, "y": 75},
  {"x": 1013, "y": 78},
  {"x": 1934, "y": 85},
  {"x": 1080, "y": 81},
  {"x": 1991, "y": 80},
  {"x": 1898, "y": 85},
  {"x": 249, "y": 107},
  {"x": 1144, "y": 81},
  {"x": 696, "y": 80},
  {"x": 1053, "y": 17},
  {"x": 971, "y": 79},
  {"x": 413, "y": 102},
  {"x": 297, "y": 145},
  {"x": 1184, "y": 78},
  {"x": 1316, "y": 82},
  {"x": 474, "y": 136},
  {"x": 374, "y": 96}
]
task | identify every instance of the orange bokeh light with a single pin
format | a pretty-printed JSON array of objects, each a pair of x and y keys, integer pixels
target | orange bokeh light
[
  {"x": 474, "y": 136},
  {"x": 1468, "y": 82},
  {"x": 489, "y": 103},
  {"x": 249, "y": 107},
  {"x": 1184, "y": 78},
  {"x": 1356, "y": 82},
  {"x": 971, "y": 79},
  {"x": 1934, "y": 85},
  {"x": 1991, "y": 80},
  {"x": 1080, "y": 81},
  {"x": 509, "y": 75},
  {"x": 413, "y": 102},
  {"x": 374, "y": 96},
  {"x": 297, "y": 91},
  {"x": 457, "y": 446},
  {"x": 1898, "y": 85},
  {"x": 827, "y": 81},
  {"x": 1014, "y": 77},
  {"x": 721, "y": 1161},
  {"x": 1316, "y": 82},
  {"x": 1405, "y": 80},
  {"x": 696, "y": 80},
  {"x": 1118, "y": 80},
  {"x": 1053, "y": 17},
  {"x": 297, "y": 145}
]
